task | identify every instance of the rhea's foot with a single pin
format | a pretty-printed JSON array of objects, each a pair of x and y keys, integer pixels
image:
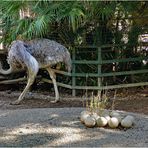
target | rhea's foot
[{"x": 17, "y": 102}]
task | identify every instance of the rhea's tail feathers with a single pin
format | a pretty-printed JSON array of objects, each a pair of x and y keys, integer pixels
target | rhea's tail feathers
[{"x": 5, "y": 72}]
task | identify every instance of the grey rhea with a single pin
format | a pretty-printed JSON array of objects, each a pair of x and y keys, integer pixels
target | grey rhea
[{"x": 33, "y": 55}]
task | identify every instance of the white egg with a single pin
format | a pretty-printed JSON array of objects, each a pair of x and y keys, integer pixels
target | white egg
[
  {"x": 113, "y": 122},
  {"x": 85, "y": 112},
  {"x": 104, "y": 112},
  {"x": 101, "y": 122},
  {"x": 126, "y": 122},
  {"x": 114, "y": 114},
  {"x": 84, "y": 115},
  {"x": 130, "y": 117},
  {"x": 95, "y": 116},
  {"x": 107, "y": 117},
  {"x": 119, "y": 118},
  {"x": 90, "y": 121}
]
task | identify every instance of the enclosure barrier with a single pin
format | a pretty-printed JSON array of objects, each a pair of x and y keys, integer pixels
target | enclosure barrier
[{"x": 99, "y": 75}]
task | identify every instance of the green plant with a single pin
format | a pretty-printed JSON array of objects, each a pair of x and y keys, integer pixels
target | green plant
[{"x": 98, "y": 103}]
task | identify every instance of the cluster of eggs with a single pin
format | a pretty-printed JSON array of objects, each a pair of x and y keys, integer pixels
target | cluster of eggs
[{"x": 111, "y": 118}]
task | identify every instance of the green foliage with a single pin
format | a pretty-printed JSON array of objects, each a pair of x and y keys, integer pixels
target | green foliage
[
  {"x": 43, "y": 14},
  {"x": 80, "y": 23},
  {"x": 80, "y": 19}
]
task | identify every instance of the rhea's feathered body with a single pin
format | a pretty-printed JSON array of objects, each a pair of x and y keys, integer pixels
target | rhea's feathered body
[
  {"x": 35, "y": 54},
  {"x": 45, "y": 51}
]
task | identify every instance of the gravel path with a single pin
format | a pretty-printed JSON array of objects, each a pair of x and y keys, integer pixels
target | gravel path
[{"x": 61, "y": 127}]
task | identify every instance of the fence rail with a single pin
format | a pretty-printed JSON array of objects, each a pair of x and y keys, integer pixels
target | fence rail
[{"x": 99, "y": 74}]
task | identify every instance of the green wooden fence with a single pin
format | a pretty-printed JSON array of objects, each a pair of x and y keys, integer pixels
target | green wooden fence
[{"x": 99, "y": 74}]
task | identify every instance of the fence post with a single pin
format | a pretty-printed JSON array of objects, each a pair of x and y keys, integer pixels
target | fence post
[
  {"x": 73, "y": 72},
  {"x": 99, "y": 70}
]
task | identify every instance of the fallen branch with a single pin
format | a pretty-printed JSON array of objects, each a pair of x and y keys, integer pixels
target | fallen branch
[
  {"x": 13, "y": 81},
  {"x": 16, "y": 80},
  {"x": 2, "y": 78},
  {"x": 3, "y": 52}
]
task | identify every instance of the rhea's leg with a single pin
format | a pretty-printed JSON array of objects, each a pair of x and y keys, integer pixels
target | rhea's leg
[
  {"x": 31, "y": 78},
  {"x": 53, "y": 77}
]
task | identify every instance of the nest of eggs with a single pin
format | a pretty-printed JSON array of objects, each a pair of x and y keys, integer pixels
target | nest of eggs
[{"x": 105, "y": 118}]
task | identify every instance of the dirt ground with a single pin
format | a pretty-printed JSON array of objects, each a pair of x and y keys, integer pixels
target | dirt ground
[
  {"x": 61, "y": 127},
  {"x": 37, "y": 122},
  {"x": 129, "y": 99}
]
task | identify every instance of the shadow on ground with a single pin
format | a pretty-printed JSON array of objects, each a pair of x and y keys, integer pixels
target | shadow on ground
[{"x": 62, "y": 127}]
